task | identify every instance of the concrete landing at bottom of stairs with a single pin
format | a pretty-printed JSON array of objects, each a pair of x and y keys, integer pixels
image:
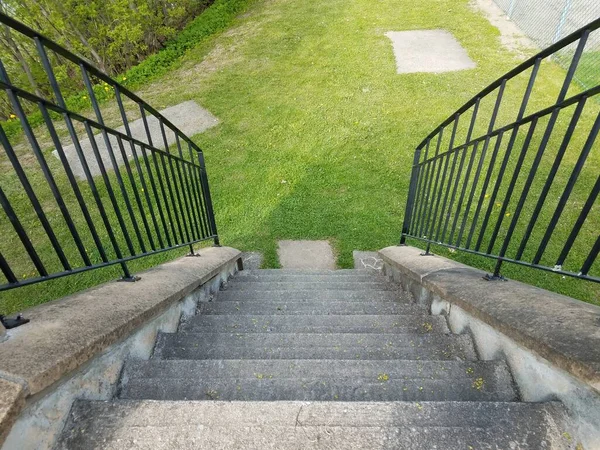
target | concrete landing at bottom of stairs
[{"x": 305, "y": 255}]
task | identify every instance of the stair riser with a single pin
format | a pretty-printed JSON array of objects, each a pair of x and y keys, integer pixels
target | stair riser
[
  {"x": 300, "y": 296},
  {"x": 306, "y": 308},
  {"x": 309, "y": 285},
  {"x": 356, "y": 389},
  {"x": 318, "y": 324},
  {"x": 349, "y": 278},
  {"x": 495, "y": 371}
]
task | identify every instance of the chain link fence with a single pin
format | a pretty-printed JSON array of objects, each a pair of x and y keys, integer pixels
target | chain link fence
[{"x": 548, "y": 21}]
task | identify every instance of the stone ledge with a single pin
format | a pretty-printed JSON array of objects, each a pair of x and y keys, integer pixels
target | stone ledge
[
  {"x": 564, "y": 331},
  {"x": 12, "y": 401},
  {"x": 65, "y": 334}
]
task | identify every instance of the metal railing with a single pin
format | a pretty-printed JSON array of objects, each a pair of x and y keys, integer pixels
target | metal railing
[
  {"x": 500, "y": 181},
  {"x": 120, "y": 193}
]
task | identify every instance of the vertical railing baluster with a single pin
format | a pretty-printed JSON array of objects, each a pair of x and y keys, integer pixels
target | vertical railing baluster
[
  {"x": 446, "y": 157},
  {"x": 587, "y": 148},
  {"x": 111, "y": 155},
  {"x": 481, "y": 159},
  {"x": 169, "y": 180},
  {"x": 410, "y": 200},
  {"x": 423, "y": 171},
  {"x": 508, "y": 196},
  {"x": 208, "y": 200},
  {"x": 7, "y": 271},
  {"x": 549, "y": 180},
  {"x": 21, "y": 233},
  {"x": 151, "y": 178},
  {"x": 578, "y": 224},
  {"x": 587, "y": 265},
  {"x": 199, "y": 189},
  {"x": 130, "y": 173},
  {"x": 59, "y": 148},
  {"x": 37, "y": 207},
  {"x": 426, "y": 224},
  {"x": 194, "y": 221},
  {"x": 185, "y": 191},
  {"x": 463, "y": 191}
]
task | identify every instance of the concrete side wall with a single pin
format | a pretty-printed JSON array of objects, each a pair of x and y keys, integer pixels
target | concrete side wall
[
  {"x": 538, "y": 378},
  {"x": 44, "y": 416}
]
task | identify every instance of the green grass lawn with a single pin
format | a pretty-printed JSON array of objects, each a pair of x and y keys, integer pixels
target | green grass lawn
[{"x": 318, "y": 131}]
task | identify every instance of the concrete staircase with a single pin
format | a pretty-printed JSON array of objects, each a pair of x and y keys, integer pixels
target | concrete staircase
[{"x": 302, "y": 360}]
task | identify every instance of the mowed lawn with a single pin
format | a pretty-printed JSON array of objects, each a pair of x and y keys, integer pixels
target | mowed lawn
[{"x": 317, "y": 130}]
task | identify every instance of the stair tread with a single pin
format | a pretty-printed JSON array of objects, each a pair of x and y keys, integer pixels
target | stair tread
[
  {"x": 318, "y": 380},
  {"x": 122, "y": 424},
  {"x": 421, "y": 323},
  {"x": 299, "y": 295},
  {"x": 185, "y": 345}
]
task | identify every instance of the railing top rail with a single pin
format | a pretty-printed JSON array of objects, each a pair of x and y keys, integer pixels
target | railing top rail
[
  {"x": 594, "y": 25},
  {"x": 29, "y": 32}
]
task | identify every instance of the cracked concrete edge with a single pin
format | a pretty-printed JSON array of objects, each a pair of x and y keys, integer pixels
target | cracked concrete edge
[
  {"x": 560, "y": 329},
  {"x": 65, "y": 334},
  {"x": 12, "y": 402}
]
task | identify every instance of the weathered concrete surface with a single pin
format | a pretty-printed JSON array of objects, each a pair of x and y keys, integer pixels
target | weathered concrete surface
[
  {"x": 551, "y": 342},
  {"x": 65, "y": 334},
  {"x": 305, "y": 308},
  {"x": 188, "y": 116},
  {"x": 39, "y": 424},
  {"x": 252, "y": 260},
  {"x": 314, "y": 425},
  {"x": 12, "y": 401},
  {"x": 312, "y": 295},
  {"x": 420, "y": 324},
  {"x": 305, "y": 255},
  {"x": 561, "y": 329},
  {"x": 335, "y": 381},
  {"x": 434, "y": 51},
  {"x": 367, "y": 260},
  {"x": 2, "y": 332},
  {"x": 334, "y": 346}
]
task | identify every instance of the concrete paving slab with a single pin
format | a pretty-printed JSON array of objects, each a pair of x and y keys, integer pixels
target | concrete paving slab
[
  {"x": 305, "y": 255},
  {"x": 188, "y": 116},
  {"x": 252, "y": 260},
  {"x": 434, "y": 51},
  {"x": 367, "y": 260}
]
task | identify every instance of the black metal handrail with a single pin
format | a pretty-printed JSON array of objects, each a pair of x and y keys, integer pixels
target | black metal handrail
[
  {"x": 164, "y": 191},
  {"x": 448, "y": 201}
]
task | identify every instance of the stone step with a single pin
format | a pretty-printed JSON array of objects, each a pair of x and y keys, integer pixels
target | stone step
[
  {"x": 217, "y": 425},
  {"x": 299, "y": 278},
  {"x": 318, "y": 380},
  {"x": 287, "y": 308},
  {"x": 316, "y": 272},
  {"x": 314, "y": 295},
  {"x": 317, "y": 324},
  {"x": 412, "y": 346},
  {"x": 370, "y": 286}
]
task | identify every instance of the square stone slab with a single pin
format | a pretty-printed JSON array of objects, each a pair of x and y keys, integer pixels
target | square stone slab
[
  {"x": 188, "y": 116},
  {"x": 305, "y": 255},
  {"x": 367, "y": 261},
  {"x": 433, "y": 51}
]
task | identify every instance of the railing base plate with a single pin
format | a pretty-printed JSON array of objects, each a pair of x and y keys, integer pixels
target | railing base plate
[
  {"x": 131, "y": 279},
  {"x": 489, "y": 277}
]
